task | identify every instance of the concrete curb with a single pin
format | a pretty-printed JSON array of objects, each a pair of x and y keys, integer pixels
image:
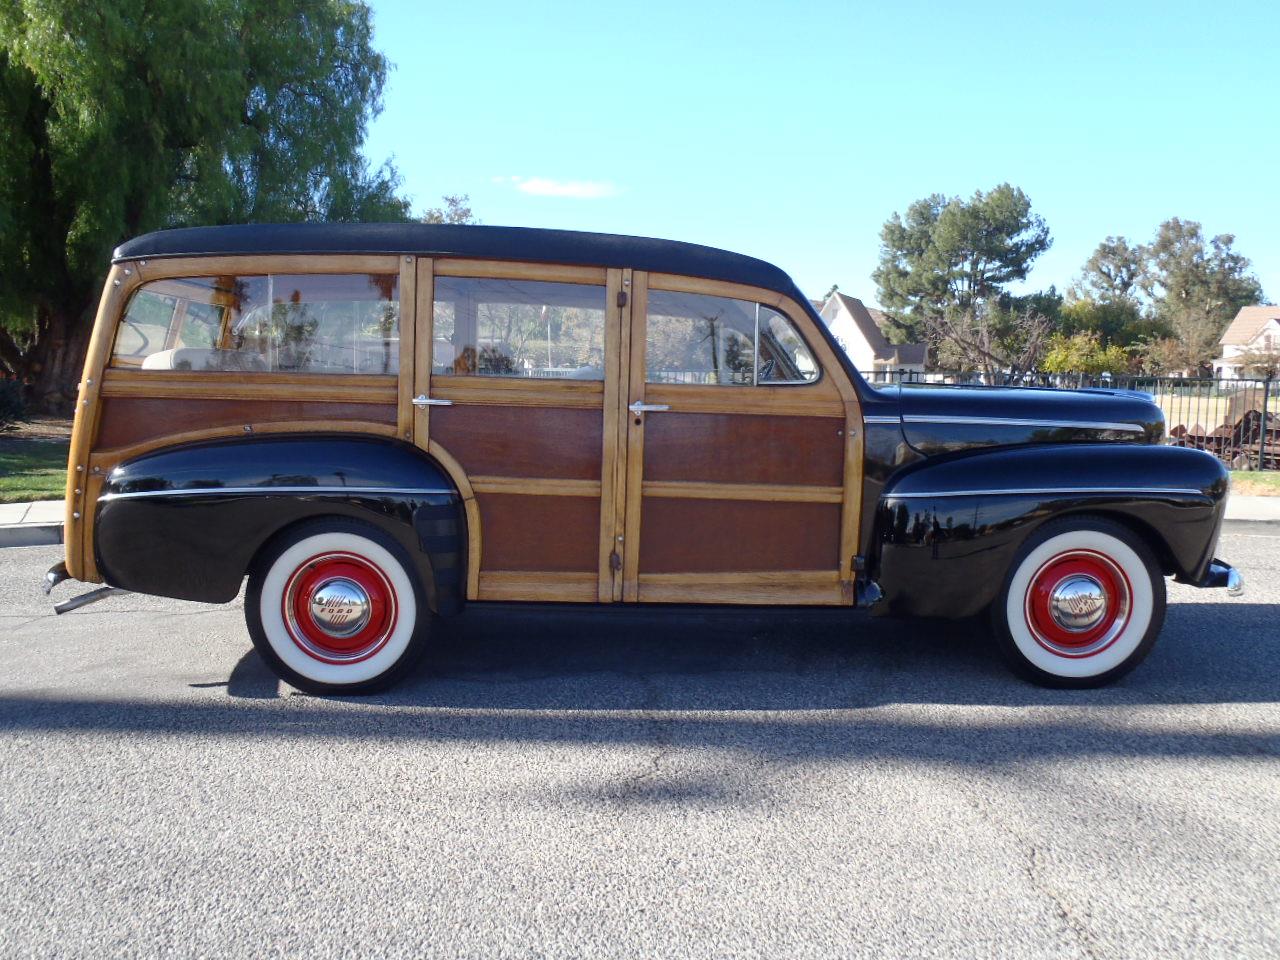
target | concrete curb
[{"x": 30, "y": 534}]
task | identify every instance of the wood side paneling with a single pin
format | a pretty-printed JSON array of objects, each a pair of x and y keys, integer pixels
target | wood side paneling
[
  {"x": 729, "y": 448},
  {"x": 522, "y": 391},
  {"x": 515, "y": 441},
  {"x": 221, "y": 385},
  {"x": 543, "y": 587},
  {"x": 806, "y": 587},
  {"x": 127, "y": 421},
  {"x": 539, "y": 533},
  {"x": 702, "y": 536},
  {"x": 820, "y": 399}
]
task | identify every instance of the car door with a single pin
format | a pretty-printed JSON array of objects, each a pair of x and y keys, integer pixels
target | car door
[
  {"x": 743, "y": 449},
  {"x": 515, "y": 392}
]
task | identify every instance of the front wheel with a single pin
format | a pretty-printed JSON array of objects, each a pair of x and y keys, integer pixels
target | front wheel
[
  {"x": 1082, "y": 605},
  {"x": 334, "y": 607}
]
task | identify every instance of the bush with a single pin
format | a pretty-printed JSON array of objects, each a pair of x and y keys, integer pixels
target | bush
[
  {"x": 1082, "y": 353},
  {"x": 12, "y": 406}
]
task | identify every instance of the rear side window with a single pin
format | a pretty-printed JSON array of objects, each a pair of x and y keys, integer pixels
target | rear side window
[
  {"x": 322, "y": 323},
  {"x": 701, "y": 339},
  {"x": 518, "y": 328}
]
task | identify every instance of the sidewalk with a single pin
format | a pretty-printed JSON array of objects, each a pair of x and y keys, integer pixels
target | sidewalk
[
  {"x": 31, "y": 524},
  {"x": 34, "y": 524},
  {"x": 1266, "y": 509}
]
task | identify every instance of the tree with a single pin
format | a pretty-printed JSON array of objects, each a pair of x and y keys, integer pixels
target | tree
[
  {"x": 1174, "y": 296},
  {"x": 953, "y": 254},
  {"x": 122, "y": 116},
  {"x": 1084, "y": 353},
  {"x": 456, "y": 209},
  {"x": 1001, "y": 340},
  {"x": 1117, "y": 321},
  {"x": 1196, "y": 286},
  {"x": 1260, "y": 363},
  {"x": 1112, "y": 274}
]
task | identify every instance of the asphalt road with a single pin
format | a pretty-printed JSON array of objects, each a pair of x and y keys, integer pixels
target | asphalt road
[{"x": 567, "y": 785}]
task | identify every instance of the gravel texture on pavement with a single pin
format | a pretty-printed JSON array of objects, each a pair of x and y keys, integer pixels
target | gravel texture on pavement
[{"x": 638, "y": 784}]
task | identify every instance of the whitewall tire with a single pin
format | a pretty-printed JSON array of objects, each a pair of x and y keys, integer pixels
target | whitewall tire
[
  {"x": 1082, "y": 604},
  {"x": 335, "y": 607}
]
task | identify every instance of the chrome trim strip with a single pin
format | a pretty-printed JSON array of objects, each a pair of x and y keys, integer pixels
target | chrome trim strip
[
  {"x": 1019, "y": 422},
  {"x": 1019, "y": 491},
  {"x": 237, "y": 491},
  {"x": 891, "y": 420}
]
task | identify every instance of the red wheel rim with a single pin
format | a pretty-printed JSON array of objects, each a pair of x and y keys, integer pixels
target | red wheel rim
[
  {"x": 1062, "y": 608},
  {"x": 339, "y": 608}
]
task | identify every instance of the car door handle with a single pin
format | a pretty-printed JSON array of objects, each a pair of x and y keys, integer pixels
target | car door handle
[
  {"x": 639, "y": 407},
  {"x": 422, "y": 400}
]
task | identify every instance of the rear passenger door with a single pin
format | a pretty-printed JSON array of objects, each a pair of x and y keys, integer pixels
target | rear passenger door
[
  {"x": 516, "y": 390},
  {"x": 742, "y": 459}
]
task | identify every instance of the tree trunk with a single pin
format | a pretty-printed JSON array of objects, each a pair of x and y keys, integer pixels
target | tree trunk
[{"x": 55, "y": 361}]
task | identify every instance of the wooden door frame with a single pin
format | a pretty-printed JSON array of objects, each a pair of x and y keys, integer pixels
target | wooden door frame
[
  {"x": 603, "y": 395},
  {"x": 831, "y": 395}
]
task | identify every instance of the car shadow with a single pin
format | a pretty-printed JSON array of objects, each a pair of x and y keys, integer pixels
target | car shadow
[
  {"x": 769, "y": 688},
  {"x": 648, "y": 658}
]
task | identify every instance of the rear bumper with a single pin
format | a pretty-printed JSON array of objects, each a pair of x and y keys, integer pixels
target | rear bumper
[{"x": 1222, "y": 574}]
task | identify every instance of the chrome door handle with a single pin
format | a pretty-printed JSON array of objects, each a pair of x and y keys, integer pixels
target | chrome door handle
[
  {"x": 422, "y": 400},
  {"x": 639, "y": 407}
]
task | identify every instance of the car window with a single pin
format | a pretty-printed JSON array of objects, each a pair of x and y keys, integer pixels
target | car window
[
  {"x": 700, "y": 339},
  {"x": 518, "y": 328},
  {"x": 322, "y": 323}
]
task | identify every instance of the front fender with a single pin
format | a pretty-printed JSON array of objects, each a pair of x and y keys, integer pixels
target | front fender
[
  {"x": 948, "y": 529},
  {"x": 186, "y": 521}
]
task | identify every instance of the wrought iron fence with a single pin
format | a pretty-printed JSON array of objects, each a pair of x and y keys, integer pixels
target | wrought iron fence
[{"x": 1236, "y": 420}]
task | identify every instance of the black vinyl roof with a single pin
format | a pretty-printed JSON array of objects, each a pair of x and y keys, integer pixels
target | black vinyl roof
[{"x": 453, "y": 240}]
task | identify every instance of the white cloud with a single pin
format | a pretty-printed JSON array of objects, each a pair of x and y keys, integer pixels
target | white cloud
[{"x": 581, "y": 189}]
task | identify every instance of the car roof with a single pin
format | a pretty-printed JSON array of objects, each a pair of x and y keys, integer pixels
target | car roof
[{"x": 458, "y": 240}]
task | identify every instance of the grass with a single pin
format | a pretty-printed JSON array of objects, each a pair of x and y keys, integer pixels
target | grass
[
  {"x": 1255, "y": 483},
  {"x": 32, "y": 469}
]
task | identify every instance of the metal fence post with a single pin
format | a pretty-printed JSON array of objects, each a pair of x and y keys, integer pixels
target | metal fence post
[{"x": 1262, "y": 433}]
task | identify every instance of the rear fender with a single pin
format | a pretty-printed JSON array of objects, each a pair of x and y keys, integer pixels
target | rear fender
[{"x": 187, "y": 521}]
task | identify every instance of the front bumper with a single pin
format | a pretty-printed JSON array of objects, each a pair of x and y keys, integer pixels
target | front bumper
[{"x": 1223, "y": 574}]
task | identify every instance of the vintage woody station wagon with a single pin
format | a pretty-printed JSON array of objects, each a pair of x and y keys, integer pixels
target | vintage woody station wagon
[{"x": 377, "y": 424}]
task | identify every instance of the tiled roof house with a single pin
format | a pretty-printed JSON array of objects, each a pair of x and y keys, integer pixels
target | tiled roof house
[
  {"x": 858, "y": 329},
  {"x": 1254, "y": 329}
]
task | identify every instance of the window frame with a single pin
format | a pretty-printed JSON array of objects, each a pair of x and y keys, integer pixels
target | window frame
[
  {"x": 779, "y": 303},
  {"x": 472, "y": 335},
  {"x": 264, "y": 267}
]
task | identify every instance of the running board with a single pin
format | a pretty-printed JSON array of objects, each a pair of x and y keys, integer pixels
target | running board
[{"x": 93, "y": 596}]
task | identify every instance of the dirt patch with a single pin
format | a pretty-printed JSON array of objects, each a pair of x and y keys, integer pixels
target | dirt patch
[{"x": 39, "y": 428}]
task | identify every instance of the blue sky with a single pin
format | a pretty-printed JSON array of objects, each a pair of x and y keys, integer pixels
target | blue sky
[{"x": 792, "y": 131}]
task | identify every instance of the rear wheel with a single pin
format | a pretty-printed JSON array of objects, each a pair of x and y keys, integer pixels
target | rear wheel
[
  {"x": 1082, "y": 605},
  {"x": 334, "y": 607}
]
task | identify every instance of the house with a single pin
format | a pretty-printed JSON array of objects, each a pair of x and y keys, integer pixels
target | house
[
  {"x": 1254, "y": 330},
  {"x": 858, "y": 330}
]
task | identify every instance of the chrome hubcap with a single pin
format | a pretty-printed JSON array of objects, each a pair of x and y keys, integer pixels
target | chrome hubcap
[
  {"x": 340, "y": 607},
  {"x": 1078, "y": 603}
]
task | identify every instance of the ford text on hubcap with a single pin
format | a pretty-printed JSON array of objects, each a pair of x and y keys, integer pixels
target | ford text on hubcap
[{"x": 339, "y": 608}]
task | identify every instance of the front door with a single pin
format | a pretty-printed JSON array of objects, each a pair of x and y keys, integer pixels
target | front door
[{"x": 743, "y": 457}]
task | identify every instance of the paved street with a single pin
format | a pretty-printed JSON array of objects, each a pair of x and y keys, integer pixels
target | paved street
[{"x": 560, "y": 785}]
